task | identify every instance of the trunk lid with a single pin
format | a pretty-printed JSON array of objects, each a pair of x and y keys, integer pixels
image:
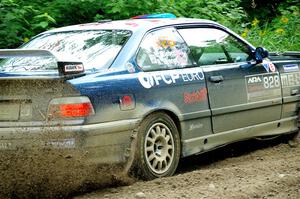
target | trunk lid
[
  {"x": 25, "y": 100},
  {"x": 29, "y": 79}
]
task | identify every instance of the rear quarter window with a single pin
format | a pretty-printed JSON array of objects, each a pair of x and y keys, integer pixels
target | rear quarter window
[{"x": 163, "y": 49}]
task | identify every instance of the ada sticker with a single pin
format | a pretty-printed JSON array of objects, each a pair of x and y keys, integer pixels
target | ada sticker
[
  {"x": 290, "y": 67},
  {"x": 263, "y": 86},
  {"x": 262, "y": 82}
]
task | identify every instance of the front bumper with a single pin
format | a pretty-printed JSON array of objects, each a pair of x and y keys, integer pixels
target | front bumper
[{"x": 103, "y": 143}]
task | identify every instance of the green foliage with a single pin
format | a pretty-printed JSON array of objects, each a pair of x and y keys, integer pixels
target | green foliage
[
  {"x": 124, "y": 9},
  {"x": 72, "y": 12},
  {"x": 18, "y": 23},
  {"x": 225, "y": 12},
  {"x": 22, "y": 19},
  {"x": 280, "y": 34}
]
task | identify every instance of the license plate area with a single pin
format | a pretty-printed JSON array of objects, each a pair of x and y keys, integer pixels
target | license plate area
[{"x": 9, "y": 111}]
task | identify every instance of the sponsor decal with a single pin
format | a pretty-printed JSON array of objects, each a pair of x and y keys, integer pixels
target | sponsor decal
[
  {"x": 290, "y": 79},
  {"x": 152, "y": 79},
  {"x": 263, "y": 81},
  {"x": 290, "y": 67},
  {"x": 195, "y": 96},
  {"x": 164, "y": 42},
  {"x": 272, "y": 67},
  {"x": 61, "y": 143},
  {"x": 74, "y": 68},
  {"x": 269, "y": 66},
  {"x": 130, "y": 67},
  {"x": 195, "y": 126},
  {"x": 5, "y": 145},
  {"x": 254, "y": 79},
  {"x": 266, "y": 66},
  {"x": 263, "y": 86}
]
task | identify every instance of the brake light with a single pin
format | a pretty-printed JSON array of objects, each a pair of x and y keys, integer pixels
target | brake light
[
  {"x": 70, "y": 107},
  {"x": 75, "y": 110}
]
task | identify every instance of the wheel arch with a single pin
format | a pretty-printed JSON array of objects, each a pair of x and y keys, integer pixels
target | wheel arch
[{"x": 171, "y": 114}]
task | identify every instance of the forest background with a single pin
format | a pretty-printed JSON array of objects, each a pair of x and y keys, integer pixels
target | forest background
[{"x": 273, "y": 24}]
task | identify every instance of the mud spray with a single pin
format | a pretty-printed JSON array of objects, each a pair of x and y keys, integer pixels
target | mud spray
[
  {"x": 37, "y": 168},
  {"x": 34, "y": 172}
]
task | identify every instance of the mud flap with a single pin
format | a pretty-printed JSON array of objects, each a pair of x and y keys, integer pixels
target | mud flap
[
  {"x": 130, "y": 153},
  {"x": 295, "y": 141}
]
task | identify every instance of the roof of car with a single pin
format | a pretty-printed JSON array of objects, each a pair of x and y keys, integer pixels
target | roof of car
[{"x": 132, "y": 24}]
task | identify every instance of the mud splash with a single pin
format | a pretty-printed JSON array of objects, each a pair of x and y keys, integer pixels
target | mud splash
[{"x": 53, "y": 173}]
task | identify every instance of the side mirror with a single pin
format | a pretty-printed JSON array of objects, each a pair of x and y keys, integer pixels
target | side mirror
[{"x": 259, "y": 54}]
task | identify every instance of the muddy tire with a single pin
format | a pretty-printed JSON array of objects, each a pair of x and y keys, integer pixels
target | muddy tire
[{"x": 157, "y": 148}]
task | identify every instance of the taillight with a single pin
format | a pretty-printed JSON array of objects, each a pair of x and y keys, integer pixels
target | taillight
[{"x": 70, "y": 107}]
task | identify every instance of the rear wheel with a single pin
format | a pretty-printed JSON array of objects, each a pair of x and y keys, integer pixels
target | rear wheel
[{"x": 158, "y": 147}]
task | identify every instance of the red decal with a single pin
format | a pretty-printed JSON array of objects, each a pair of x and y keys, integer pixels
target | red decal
[
  {"x": 155, "y": 20},
  {"x": 132, "y": 24},
  {"x": 272, "y": 67},
  {"x": 196, "y": 96}
]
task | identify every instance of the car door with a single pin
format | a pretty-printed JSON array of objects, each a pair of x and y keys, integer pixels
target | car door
[
  {"x": 240, "y": 95},
  {"x": 172, "y": 81}
]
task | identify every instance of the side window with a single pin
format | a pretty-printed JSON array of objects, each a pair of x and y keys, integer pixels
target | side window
[
  {"x": 213, "y": 46},
  {"x": 163, "y": 49}
]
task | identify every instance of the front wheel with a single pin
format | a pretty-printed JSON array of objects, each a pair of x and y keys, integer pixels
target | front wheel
[{"x": 158, "y": 147}]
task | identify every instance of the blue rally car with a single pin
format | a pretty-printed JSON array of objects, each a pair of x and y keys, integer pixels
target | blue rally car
[{"x": 144, "y": 92}]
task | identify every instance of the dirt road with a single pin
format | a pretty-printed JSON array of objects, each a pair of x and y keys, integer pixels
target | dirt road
[{"x": 250, "y": 169}]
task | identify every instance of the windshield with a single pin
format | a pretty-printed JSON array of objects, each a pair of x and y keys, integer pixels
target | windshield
[{"x": 96, "y": 49}]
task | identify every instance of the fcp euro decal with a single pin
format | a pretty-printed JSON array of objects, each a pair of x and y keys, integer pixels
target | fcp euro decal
[{"x": 152, "y": 79}]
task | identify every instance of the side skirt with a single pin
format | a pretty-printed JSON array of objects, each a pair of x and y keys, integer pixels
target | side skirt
[{"x": 209, "y": 142}]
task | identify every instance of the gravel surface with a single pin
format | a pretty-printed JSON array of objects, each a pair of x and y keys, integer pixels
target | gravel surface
[{"x": 250, "y": 169}]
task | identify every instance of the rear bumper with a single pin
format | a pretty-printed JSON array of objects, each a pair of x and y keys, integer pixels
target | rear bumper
[{"x": 103, "y": 143}]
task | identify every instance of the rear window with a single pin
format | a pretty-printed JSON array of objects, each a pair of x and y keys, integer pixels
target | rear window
[{"x": 97, "y": 49}]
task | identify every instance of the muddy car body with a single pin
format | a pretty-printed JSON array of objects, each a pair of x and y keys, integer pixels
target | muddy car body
[{"x": 152, "y": 91}]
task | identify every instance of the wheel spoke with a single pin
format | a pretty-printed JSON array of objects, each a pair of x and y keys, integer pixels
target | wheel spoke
[
  {"x": 165, "y": 163},
  {"x": 155, "y": 162},
  {"x": 153, "y": 133},
  {"x": 160, "y": 165},
  {"x": 150, "y": 148},
  {"x": 163, "y": 132},
  {"x": 169, "y": 146},
  {"x": 150, "y": 140},
  {"x": 151, "y": 157},
  {"x": 168, "y": 157},
  {"x": 158, "y": 130},
  {"x": 168, "y": 138}
]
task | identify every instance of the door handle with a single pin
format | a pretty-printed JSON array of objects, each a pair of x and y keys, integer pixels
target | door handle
[{"x": 216, "y": 79}]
